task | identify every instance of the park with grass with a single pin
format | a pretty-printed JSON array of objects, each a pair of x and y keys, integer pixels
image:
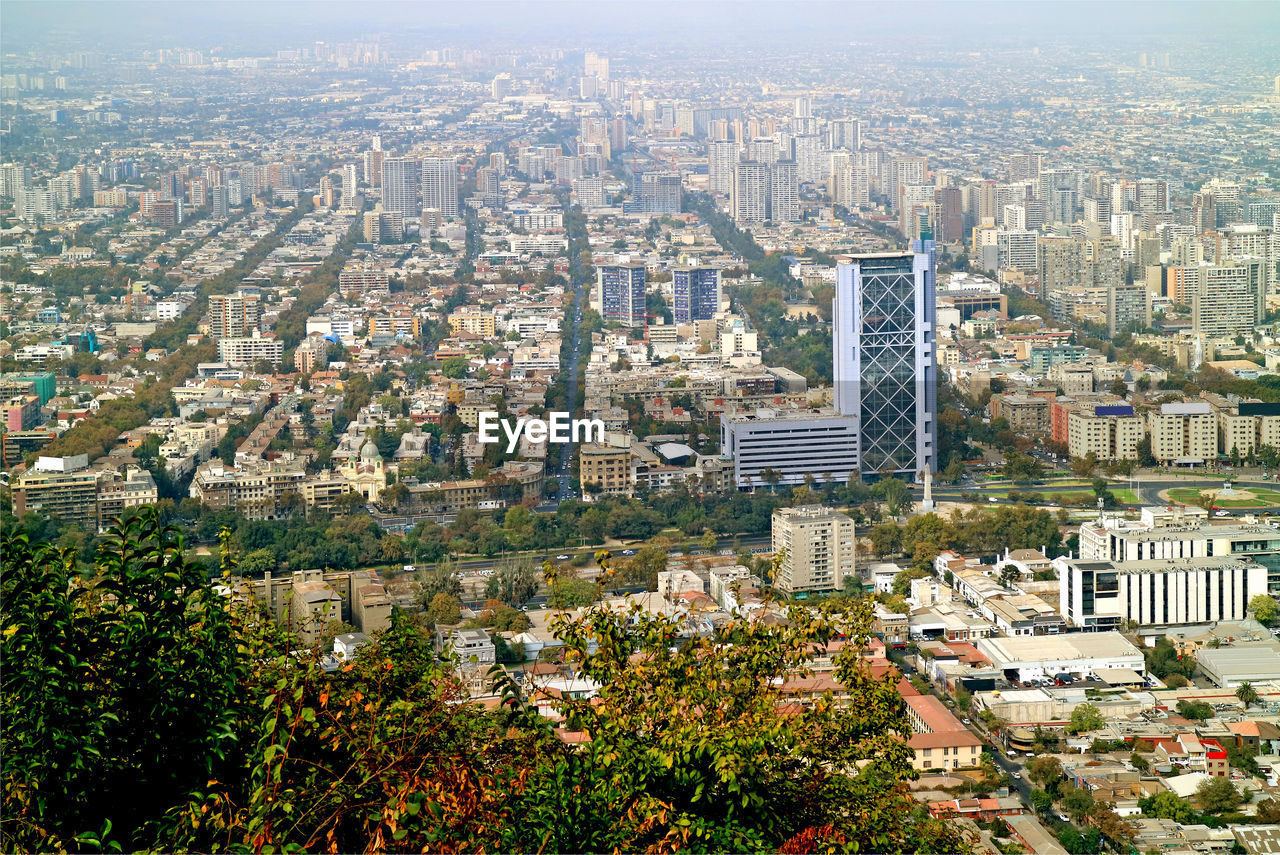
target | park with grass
[{"x": 1248, "y": 497}]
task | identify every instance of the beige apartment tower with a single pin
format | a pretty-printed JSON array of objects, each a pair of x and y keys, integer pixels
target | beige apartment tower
[{"x": 817, "y": 545}]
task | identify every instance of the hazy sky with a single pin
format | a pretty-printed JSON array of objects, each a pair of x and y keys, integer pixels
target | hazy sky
[{"x": 574, "y": 24}]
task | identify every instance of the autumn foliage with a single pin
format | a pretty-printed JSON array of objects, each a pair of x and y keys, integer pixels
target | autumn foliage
[{"x": 142, "y": 710}]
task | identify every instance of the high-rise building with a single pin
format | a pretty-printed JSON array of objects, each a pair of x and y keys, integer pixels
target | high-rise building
[
  {"x": 660, "y": 192},
  {"x": 696, "y": 292},
  {"x": 885, "y": 359},
  {"x": 1228, "y": 300},
  {"x": 595, "y": 65},
  {"x": 1025, "y": 167},
  {"x": 233, "y": 314},
  {"x": 620, "y": 293},
  {"x": 905, "y": 170},
  {"x": 400, "y": 176},
  {"x": 763, "y": 149},
  {"x": 219, "y": 201},
  {"x": 784, "y": 192},
  {"x": 500, "y": 86},
  {"x": 489, "y": 184},
  {"x": 750, "y": 203},
  {"x": 949, "y": 202},
  {"x": 722, "y": 155},
  {"x": 349, "y": 187},
  {"x": 1060, "y": 192},
  {"x": 440, "y": 185},
  {"x": 846, "y": 133},
  {"x": 382, "y": 226},
  {"x": 817, "y": 548},
  {"x": 373, "y": 167},
  {"x": 811, "y": 158},
  {"x": 590, "y": 192}
]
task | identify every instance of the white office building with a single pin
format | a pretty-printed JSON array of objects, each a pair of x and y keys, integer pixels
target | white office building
[
  {"x": 823, "y": 445},
  {"x": 1101, "y": 595}
]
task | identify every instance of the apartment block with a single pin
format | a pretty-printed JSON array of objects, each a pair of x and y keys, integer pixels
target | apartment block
[
  {"x": 1109, "y": 433},
  {"x": 818, "y": 549},
  {"x": 607, "y": 466},
  {"x": 1185, "y": 433}
]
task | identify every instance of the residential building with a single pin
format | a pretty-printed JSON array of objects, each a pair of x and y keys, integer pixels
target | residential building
[
  {"x": 233, "y": 315},
  {"x": 750, "y": 197},
  {"x": 817, "y": 548},
  {"x": 606, "y": 467},
  {"x": 1106, "y": 432},
  {"x": 696, "y": 294},
  {"x": 620, "y": 293},
  {"x": 439, "y": 185},
  {"x": 1185, "y": 433},
  {"x": 61, "y": 487},
  {"x": 247, "y": 350},
  {"x": 311, "y": 600},
  {"x": 660, "y": 192},
  {"x": 400, "y": 187},
  {"x": 475, "y": 323}
]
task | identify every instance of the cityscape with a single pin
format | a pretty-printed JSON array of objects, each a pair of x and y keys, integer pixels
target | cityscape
[{"x": 640, "y": 427}]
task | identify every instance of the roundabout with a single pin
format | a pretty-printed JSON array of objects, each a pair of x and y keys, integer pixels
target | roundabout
[{"x": 1224, "y": 495}]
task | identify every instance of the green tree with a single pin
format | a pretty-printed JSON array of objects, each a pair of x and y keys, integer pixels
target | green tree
[
  {"x": 444, "y": 610},
  {"x": 1247, "y": 694},
  {"x": 1041, "y": 801},
  {"x": 1077, "y": 801},
  {"x": 1086, "y": 717},
  {"x": 1264, "y": 608},
  {"x": 455, "y": 367},
  {"x": 1045, "y": 771},
  {"x": 1218, "y": 795},
  {"x": 1167, "y": 805},
  {"x": 119, "y": 690},
  {"x": 1195, "y": 710}
]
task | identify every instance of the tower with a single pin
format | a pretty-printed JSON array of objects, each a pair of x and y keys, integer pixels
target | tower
[
  {"x": 885, "y": 360},
  {"x": 440, "y": 185},
  {"x": 721, "y": 158},
  {"x": 750, "y": 192},
  {"x": 697, "y": 293},
  {"x": 400, "y": 186},
  {"x": 620, "y": 293}
]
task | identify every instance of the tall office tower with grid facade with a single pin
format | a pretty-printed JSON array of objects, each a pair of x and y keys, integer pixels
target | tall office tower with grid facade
[{"x": 885, "y": 357}]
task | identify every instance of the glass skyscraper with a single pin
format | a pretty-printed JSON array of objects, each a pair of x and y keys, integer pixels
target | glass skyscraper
[{"x": 885, "y": 358}]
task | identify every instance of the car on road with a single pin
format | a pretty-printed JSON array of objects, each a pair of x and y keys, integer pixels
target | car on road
[
  {"x": 562, "y": 557},
  {"x": 1064, "y": 817},
  {"x": 628, "y": 552},
  {"x": 699, "y": 552},
  {"x": 726, "y": 552},
  {"x": 675, "y": 554},
  {"x": 1222, "y": 513},
  {"x": 1017, "y": 776},
  {"x": 966, "y": 721}
]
